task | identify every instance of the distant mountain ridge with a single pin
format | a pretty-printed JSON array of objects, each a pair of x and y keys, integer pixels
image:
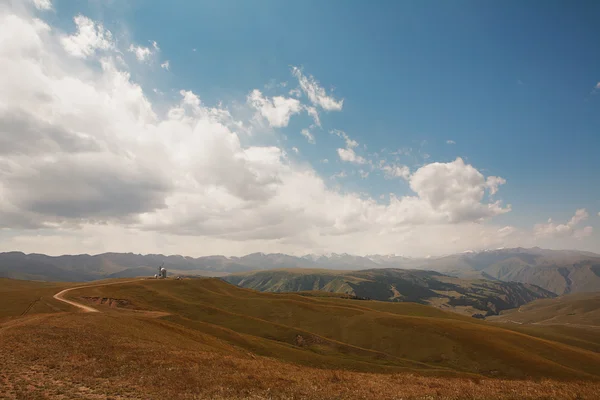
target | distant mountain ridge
[{"x": 559, "y": 271}]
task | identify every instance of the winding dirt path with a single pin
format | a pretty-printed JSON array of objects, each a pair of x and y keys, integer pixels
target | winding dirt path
[{"x": 60, "y": 295}]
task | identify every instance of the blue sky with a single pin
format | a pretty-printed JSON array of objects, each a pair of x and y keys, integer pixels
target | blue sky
[{"x": 511, "y": 84}]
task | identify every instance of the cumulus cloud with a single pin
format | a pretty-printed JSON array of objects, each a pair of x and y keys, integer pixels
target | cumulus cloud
[
  {"x": 90, "y": 36},
  {"x": 450, "y": 142},
  {"x": 552, "y": 229},
  {"x": 493, "y": 182},
  {"x": 309, "y": 136},
  {"x": 166, "y": 65},
  {"x": 42, "y": 4},
  {"x": 455, "y": 190},
  {"x": 316, "y": 93},
  {"x": 277, "y": 110},
  {"x": 81, "y": 146},
  {"x": 350, "y": 156}
]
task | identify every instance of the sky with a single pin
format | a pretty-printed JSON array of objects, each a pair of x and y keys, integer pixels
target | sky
[{"x": 232, "y": 127}]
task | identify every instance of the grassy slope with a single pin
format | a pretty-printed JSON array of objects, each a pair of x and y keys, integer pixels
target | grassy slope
[
  {"x": 21, "y": 297},
  {"x": 214, "y": 343},
  {"x": 116, "y": 355},
  {"x": 573, "y": 319},
  {"x": 352, "y": 334},
  {"x": 574, "y": 309},
  {"x": 460, "y": 295}
]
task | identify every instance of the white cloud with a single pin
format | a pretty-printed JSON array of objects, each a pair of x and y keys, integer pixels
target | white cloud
[
  {"x": 312, "y": 111},
  {"x": 597, "y": 85},
  {"x": 277, "y": 110},
  {"x": 580, "y": 215},
  {"x": 295, "y": 150},
  {"x": 87, "y": 165},
  {"x": 42, "y": 4},
  {"x": 166, "y": 65},
  {"x": 309, "y": 136},
  {"x": 506, "y": 231},
  {"x": 450, "y": 142},
  {"x": 493, "y": 182},
  {"x": 90, "y": 37},
  {"x": 363, "y": 174},
  {"x": 349, "y": 155},
  {"x": 316, "y": 94},
  {"x": 326, "y": 161},
  {"x": 396, "y": 171},
  {"x": 141, "y": 53},
  {"x": 455, "y": 190},
  {"x": 350, "y": 143},
  {"x": 552, "y": 229}
]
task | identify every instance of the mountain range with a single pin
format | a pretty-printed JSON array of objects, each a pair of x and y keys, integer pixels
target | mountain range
[{"x": 559, "y": 271}]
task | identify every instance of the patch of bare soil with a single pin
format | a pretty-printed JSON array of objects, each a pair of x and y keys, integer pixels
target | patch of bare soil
[
  {"x": 307, "y": 340},
  {"x": 113, "y": 303}
]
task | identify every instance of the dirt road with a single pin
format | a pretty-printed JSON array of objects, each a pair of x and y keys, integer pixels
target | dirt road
[{"x": 60, "y": 295}]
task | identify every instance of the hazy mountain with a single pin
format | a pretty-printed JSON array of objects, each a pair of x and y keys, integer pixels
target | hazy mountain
[
  {"x": 425, "y": 287},
  {"x": 560, "y": 271}
]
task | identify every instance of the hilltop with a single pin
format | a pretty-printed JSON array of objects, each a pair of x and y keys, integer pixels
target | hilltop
[{"x": 471, "y": 297}]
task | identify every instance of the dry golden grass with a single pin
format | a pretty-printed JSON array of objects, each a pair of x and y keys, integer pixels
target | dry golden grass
[
  {"x": 222, "y": 342},
  {"x": 109, "y": 356},
  {"x": 27, "y": 297},
  {"x": 580, "y": 309},
  {"x": 358, "y": 335}
]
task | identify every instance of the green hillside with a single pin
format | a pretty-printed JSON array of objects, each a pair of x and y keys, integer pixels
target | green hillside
[{"x": 426, "y": 287}]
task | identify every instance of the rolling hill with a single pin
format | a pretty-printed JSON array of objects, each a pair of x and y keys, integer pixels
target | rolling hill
[
  {"x": 559, "y": 271},
  {"x": 207, "y": 339},
  {"x": 582, "y": 309},
  {"x": 471, "y": 297}
]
